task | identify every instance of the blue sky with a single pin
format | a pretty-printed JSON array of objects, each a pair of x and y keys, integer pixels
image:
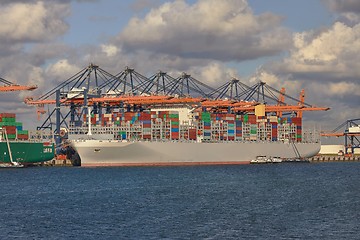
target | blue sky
[
  {"x": 294, "y": 44},
  {"x": 92, "y": 23},
  {"x": 107, "y": 17}
]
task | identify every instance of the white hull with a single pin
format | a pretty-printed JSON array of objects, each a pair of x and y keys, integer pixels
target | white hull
[{"x": 119, "y": 153}]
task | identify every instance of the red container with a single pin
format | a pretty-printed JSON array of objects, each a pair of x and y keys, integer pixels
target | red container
[
  {"x": 8, "y": 115},
  {"x": 252, "y": 119},
  {"x": 147, "y": 136},
  {"x": 22, "y": 136},
  {"x": 175, "y": 135},
  {"x": 274, "y": 132},
  {"x": 10, "y": 129},
  {"x": 144, "y": 116},
  {"x": 296, "y": 120},
  {"x": 192, "y": 137}
]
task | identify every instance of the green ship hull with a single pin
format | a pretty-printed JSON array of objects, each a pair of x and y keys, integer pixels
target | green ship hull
[{"x": 27, "y": 152}]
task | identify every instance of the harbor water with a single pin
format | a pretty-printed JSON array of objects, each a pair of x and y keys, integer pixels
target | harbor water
[{"x": 280, "y": 201}]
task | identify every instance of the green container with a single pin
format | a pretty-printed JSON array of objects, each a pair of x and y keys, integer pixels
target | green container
[
  {"x": 174, "y": 115},
  {"x": 246, "y": 118},
  {"x": 22, "y": 132},
  {"x": 175, "y": 123},
  {"x": 205, "y": 115},
  {"x": 6, "y": 119},
  {"x": 11, "y": 136},
  {"x": 298, "y": 136},
  {"x": 18, "y": 124},
  {"x": 253, "y": 131},
  {"x": 9, "y": 124}
]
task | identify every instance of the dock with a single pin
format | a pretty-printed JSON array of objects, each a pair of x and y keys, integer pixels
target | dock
[{"x": 334, "y": 158}]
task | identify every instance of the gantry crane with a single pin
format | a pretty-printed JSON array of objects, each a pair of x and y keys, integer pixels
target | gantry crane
[
  {"x": 351, "y": 134},
  {"x": 95, "y": 88}
]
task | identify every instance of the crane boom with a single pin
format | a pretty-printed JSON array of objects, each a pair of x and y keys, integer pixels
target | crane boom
[{"x": 10, "y": 87}]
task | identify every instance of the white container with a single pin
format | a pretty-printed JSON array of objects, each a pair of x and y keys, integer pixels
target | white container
[{"x": 354, "y": 129}]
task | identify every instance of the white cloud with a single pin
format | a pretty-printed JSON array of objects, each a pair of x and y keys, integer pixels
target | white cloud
[
  {"x": 223, "y": 30},
  {"x": 109, "y": 50},
  {"x": 62, "y": 70},
  {"x": 343, "y": 89},
  {"x": 332, "y": 53},
  {"x": 215, "y": 74},
  {"x": 35, "y": 22}
]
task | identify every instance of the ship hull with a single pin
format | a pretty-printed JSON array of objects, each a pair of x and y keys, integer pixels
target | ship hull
[
  {"x": 26, "y": 152},
  {"x": 142, "y": 153}
]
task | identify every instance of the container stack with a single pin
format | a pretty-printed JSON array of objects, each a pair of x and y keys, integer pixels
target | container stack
[
  {"x": 230, "y": 119},
  {"x": 298, "y": 123},
  {"x": 14, "y": 129},
  {"x": 165, "y": 125},
  {"x": 174, "y": 123},
  {"x": 206, "y": 119},
  {"x": 238, "y": 130},
  {"x": 145, "y": 119}
]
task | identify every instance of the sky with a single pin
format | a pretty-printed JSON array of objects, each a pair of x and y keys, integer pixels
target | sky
[{"x": 312, "y": 45}]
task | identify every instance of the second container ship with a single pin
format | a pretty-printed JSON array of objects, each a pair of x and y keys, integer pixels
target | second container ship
[{"x": 18, "y": 147}]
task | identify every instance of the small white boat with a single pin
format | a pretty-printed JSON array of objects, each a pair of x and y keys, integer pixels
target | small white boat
[
  {"x": 11, "y": 165},
  {"x": 265, "y": 159},
  {"x": 276, "y": 160},
  {"x": 260, "y": 160}
]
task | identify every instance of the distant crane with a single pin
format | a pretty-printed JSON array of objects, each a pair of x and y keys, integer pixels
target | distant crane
[
  {"x": 351, "y": 134},
  {"x": 10, "y": 87}
]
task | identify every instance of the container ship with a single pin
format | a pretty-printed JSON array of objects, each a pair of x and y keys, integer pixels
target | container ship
[
  {"x": 18, "y": 146},
  {"x": 128, "y": 119},
  {"x": 182, "y": 136}
]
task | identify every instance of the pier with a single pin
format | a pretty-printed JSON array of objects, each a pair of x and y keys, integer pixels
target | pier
[{"x": 335, "y": 158}]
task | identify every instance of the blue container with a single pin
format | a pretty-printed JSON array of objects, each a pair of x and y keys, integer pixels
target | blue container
[
  {"x": 230, "y": 131},
  {"x": 207, "y": 134},
  {"x": 207, "y": 124},
  {"x": 146, "y": 121},
  {"x": 19, "y": 128},
  {"x": 175, "y": 130},
  {"x": 273, "y": 126},
  {"x": 238, "y": 123},
  {"x": 238, "y": 131}
]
